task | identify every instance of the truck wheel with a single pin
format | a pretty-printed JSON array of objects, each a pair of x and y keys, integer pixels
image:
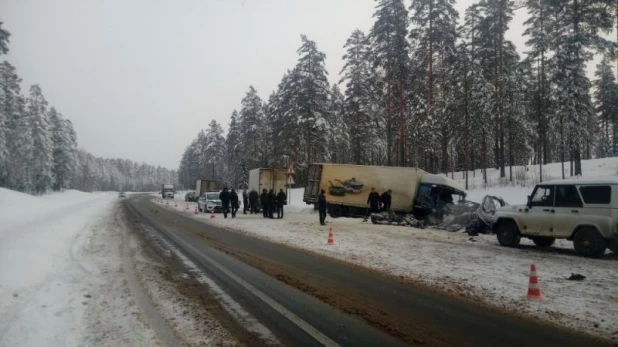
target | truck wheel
[
  {"x": 540, "y": 241},
  {"x": 507, "y": 234},
  {"x": 374, "y": 220},
  {"x": 334, "y": 211},
  {"x": 589, "y": 243},
  {"x": 199, "y": 209}
]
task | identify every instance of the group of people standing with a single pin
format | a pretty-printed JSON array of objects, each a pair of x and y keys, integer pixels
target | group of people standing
[
  {"x": 377, "y": 202},
  {"x": 229, "y": 198},
  {"x": 271, "y": 203}
]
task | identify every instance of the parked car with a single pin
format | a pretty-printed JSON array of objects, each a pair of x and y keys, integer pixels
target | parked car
[
  {"x": 121, "y": 195},
  {"x": 582, "y": 211},
  {"x": 191, "y": 197},
  {"x": 208, "y": 200}
]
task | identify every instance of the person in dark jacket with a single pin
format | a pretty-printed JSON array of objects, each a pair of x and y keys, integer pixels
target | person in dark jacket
[
  {"x": 322, "y": 207},
  {"x": 373, "y": 200},
  {"x": 245, "y": 201},
  {"x": 272, "y": 203},
  {"x": 386, "y": 199},
  {"x": 224, "y": 196},
  {"x": 281, "y": 200},
  {"x": 254, "y": 197},
  {"x": 234, "y": 200},
  {"x": 264, "y": 202}
]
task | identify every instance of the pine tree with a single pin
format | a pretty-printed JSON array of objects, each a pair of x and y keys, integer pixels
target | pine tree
[
  {"x": 9, "y": 117},
  {"x": 310, "y": 90},
  {"x": 357, "y": 75},
  {"x": 214, "y": 152},
  {"x": 389, "y": 42},
  {"x": 64, "y": 149},
  {"x": 337, "y": 128},
  {"x": 251, "y": 121},
  {"x": 236, "y": 168},
  {"x": 487, "y": 22},
  {"x": 576, "y": 28},
  {"x": 4, "y": 40},
  {"x": 606, "y": 108},
  {"x": 433, "y": 35},
  {"x": 42, "y": 154},
  {"x": 538, "y": 28}
]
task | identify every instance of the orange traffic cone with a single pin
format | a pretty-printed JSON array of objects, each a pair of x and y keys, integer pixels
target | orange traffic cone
[
  {"x": 331, "y": 241},
  {"x": 212, "y": 214},
  {"x": 534, "y": 293},
  {"x": 196, "y": 212}
]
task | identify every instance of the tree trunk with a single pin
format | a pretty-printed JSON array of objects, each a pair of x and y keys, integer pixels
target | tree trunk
[
  {"x": 401, "y": 125},
  {"x": 388, "y": 124},
  {"x": 578, "y": 161}
]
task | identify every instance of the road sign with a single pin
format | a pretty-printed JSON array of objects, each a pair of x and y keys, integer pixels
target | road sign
[
  {"x": 290, "y": 180},
  {"x": 291, "y": 170}
]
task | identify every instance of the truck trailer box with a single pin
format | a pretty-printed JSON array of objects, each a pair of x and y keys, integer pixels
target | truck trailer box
[
  {"x": 350, "y": 185},
  {"x": 203, "y": 186},
  {"x": 267, "y": 179},
  {"x": 347, "y": 187}
]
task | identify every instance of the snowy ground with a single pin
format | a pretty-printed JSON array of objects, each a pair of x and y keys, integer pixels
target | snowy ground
[
  {"x": 529, "y": 176},
  {"x": 71, "y": 275},
  {"x": 472, "y": 267}
]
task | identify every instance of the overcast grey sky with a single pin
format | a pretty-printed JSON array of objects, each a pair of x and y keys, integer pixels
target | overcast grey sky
[{"x": 140, "y": 78}]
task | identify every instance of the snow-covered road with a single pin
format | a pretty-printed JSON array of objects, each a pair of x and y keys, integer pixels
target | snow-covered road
[{"x": 473, "y": 267}]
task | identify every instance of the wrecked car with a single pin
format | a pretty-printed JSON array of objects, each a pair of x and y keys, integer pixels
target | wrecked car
[{"x": 475, "y": 218}]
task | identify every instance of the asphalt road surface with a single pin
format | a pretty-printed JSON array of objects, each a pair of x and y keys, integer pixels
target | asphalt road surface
[{"x": 310, "y": 300}]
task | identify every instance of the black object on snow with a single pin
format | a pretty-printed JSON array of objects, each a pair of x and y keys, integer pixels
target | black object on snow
[{"x": 576, "y": 277}]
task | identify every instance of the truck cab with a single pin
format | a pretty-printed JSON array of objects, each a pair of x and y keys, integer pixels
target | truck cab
[
  {"x": 434, "y": 194},
  {"x": 167, "y": 191}
]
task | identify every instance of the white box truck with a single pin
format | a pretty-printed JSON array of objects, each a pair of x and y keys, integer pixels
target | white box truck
[
  {"x": 268, "y": 179},
  {"x": 347, "y": 188},
  {"x": 167, "y": 190}
]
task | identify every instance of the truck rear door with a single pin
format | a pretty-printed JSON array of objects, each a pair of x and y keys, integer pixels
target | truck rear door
[{"x": 314, "y": 174}]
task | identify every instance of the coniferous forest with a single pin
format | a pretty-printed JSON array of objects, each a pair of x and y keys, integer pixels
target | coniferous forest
[
  {"x": 39, "y": 151},
  {"x": 423, "y": 89}
]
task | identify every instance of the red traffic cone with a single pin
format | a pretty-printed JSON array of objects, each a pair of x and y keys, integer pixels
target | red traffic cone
[
  {"x": 212, "y": 214},
  {"x": 196, "y": 212},
  {"x": 167, "y": 202},
  {"x": 187, "y": 208},
  {"x": 175, "y": 204},
  {"x": 331, "y": 241},
  {"x": 534, "y": 293}
]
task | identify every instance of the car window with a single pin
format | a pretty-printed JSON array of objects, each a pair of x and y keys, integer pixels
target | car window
[
  {"x": 212, "y": 196},
  {"x": 543, "y": 196},
  {"x": 567, "y": 196},
  {"x": 596, "y": 194}
]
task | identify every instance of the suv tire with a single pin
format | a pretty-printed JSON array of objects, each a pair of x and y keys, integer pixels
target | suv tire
[
  {"x": 589, "y": 243},
  {"x": 544, "y": 242},
  {"x": 507, "y": 234}
]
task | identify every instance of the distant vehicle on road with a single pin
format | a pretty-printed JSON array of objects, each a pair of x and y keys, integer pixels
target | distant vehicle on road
[
  {"x": 121, "y": 195},
  {"x": 208, "y": 201},
  {"x": 167, "y": 191},
  {"x": 583, "y": 211},
  {"x": 191, "y": 197}
]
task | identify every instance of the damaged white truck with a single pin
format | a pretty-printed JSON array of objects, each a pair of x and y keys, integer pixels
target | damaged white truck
[
  {"x": 348, "y": 186},
  {"x": 582, "y": 211}
]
